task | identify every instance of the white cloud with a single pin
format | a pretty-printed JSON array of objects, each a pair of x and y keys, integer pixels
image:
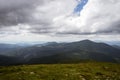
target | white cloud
[
  {"x": 98, "y": 16},
  {"x": 55, "y": 19}
]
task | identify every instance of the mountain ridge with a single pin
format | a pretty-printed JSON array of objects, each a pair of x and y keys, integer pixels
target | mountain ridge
[{"x": 66, "y": 52}]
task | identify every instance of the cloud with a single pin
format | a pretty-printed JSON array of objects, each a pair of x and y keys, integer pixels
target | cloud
[
  {"x": 57, "y": 17},
  {"x": 17, "y": 12},
  {"x": 37, "y": 14},
  {"x": 97, "y": 17}
]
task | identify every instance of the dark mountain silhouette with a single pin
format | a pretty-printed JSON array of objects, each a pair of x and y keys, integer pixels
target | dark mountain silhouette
[
  {"x": 66, "y": 52},
  {"x": 116, "y": 46},
  {"x": 77, "y": 51},
  {"x": 7, "y": 60},
  {"x": 8, "y": 47}
]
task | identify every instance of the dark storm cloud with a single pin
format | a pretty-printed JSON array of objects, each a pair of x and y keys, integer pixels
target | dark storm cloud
[
  {"x": 22, "y": 12},
  {"x": 13, "y": 12},
  {"x": 43, "y": 28},
  {"x": 115, "y": 27}
]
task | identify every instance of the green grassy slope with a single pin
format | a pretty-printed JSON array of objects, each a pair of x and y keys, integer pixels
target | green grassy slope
[{"x": 81, "y": 71}]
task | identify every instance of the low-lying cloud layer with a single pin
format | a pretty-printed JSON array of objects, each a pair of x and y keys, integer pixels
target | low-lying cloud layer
[{"x": 57, "y": 17}]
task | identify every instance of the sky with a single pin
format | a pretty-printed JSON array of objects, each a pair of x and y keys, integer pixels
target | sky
[{"x": 59, "y": 20}]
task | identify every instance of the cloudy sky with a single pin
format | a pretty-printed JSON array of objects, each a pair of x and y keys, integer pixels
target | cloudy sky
[{"x": 59, "y": 20}]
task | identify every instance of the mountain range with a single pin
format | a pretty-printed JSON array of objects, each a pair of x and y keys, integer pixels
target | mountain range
[{"x": 53, "y": 52}]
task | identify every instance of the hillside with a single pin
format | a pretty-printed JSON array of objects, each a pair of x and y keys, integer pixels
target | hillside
[
  {"x": 5, "y": 49},
  {"x": 75, "y": 51},
  {"x": 116, "y": 46},
  {"x": 7, "y": 60},
  {"x": 80, "y": 71},
  {"x": 65, "y": 53}
]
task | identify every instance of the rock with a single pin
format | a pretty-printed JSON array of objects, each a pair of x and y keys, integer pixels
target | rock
[{"x": 32, "y": 73}]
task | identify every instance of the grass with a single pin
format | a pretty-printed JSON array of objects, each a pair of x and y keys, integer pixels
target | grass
[{"x": 81, "y": 71}]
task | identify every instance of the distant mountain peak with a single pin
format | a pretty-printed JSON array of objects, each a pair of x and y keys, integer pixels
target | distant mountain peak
[{"x": 87, "y": 41}]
